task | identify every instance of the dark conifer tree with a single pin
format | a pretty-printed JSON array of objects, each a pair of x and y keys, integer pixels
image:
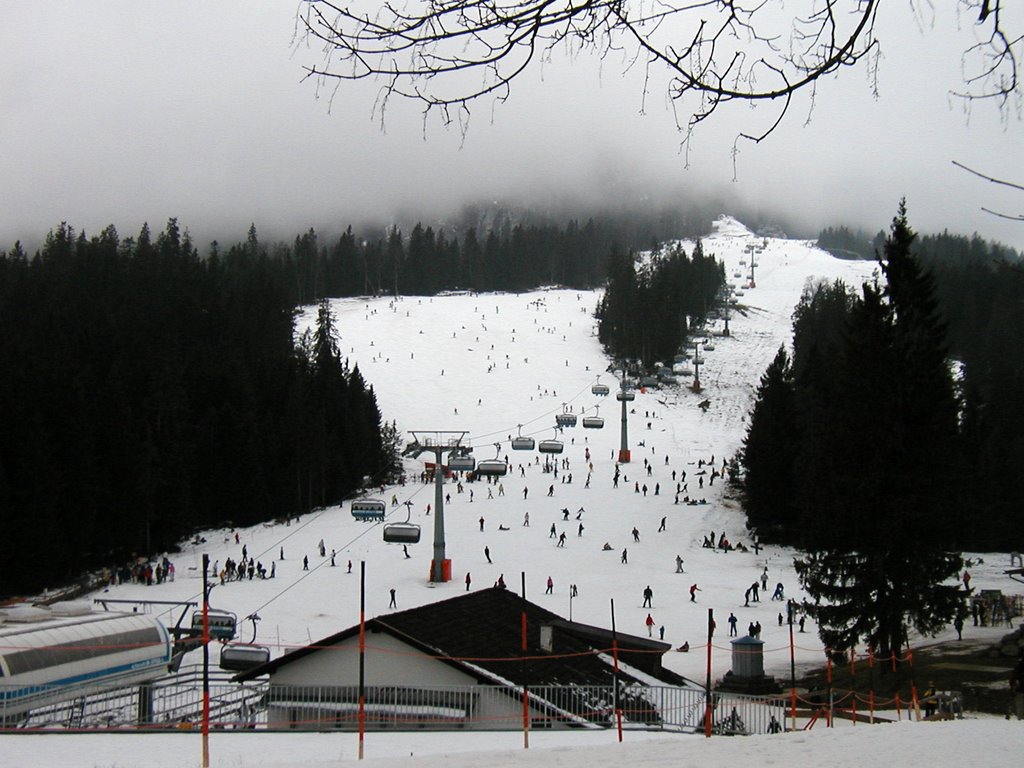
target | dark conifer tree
[
  {"x": 769, "y": 453},
  {"x": 879, "y": 560}
]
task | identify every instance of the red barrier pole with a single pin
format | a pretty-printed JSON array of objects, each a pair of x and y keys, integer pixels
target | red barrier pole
[
  {"x": 913, "y": 686},
  {"x": 526, "y": 690},
  {"x": 899, "y": 715},
  {"x": 790, "y": 606},
  {"x": 708, "y": 714},
  {"x": 206, "y": 664},
  {"x": 853, "y": 683},
  {"x": 362, "y": 654},
  {"x": 871, "y": 684},
  {"x": 828, "y": 716},
  {"x": 615, "y": 669}
]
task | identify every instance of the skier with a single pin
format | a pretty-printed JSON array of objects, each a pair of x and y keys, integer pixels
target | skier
[
  {"x": 468, "y": 581},
  {"x": 551, "y": 586},
  {"x": 487, "y": 554},
  {"x": 650, "y": 625},
  {"x": 732, "y": 625},
  {"x": 393, "y": 603},
  {"x": 679, "y": 564},
  {"x": 694, "y": 589},
  {"x": 648, "y": 595},
  {"x": 625, "y": 556}
]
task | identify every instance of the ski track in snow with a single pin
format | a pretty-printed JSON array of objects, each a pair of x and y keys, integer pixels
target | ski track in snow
[{"x": 488, "y": 363}]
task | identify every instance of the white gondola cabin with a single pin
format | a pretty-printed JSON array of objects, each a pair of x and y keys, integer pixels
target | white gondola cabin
[
  {"x": 600, "y": 389},
  {"x": 461, "y": 463},
  {"x": 565, "y": 419},
  {"x": 240, "y": 657},
  {"x": 223, "y": 624},
  {"x": 523, "y": 443},
  {"x": 593, "y": 422},
  {"x": 491, "y": 468},
  {"x": 402, "y": 533},
  {"x": 550, "y": 446},
  {"x": 368, "y": 509},
  {"x": 625, "y": 395}
]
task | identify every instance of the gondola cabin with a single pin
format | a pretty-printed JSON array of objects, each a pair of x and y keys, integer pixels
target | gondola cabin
[
  {"x": 600, "y": 389},
  {"x": 523, "y": 443},
  {"x": 46, "y": 658},
  {"x": 402, "y": 533},
  {"x": 239, "y": 657},
  {"x": 550, "y": 446},
  {"x": 368, "y": 509},
  {"x": 565, "y": 419},
  {"x": 593, "y": 422},
  {"x": 625, "y": 395},
  {"x": 461, "y": 463},
  {"x": 223, "y": 624},
  {"x": 491, "y": 468}
]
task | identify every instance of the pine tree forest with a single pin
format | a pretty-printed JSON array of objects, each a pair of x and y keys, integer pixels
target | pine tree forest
[{"x": 859, "y": 445}]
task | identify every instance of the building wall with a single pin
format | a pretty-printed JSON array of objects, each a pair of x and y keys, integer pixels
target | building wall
[{"x": 388, "y": 662}]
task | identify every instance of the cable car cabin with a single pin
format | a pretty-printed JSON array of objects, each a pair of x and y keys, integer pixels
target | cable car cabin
[
  {"x": 239, "y": 657},
  {"x": 402, "y": 533},
  {"x": 709, "y": 347},
  {"x": 600, "y": 389},
  {"x": 648, "y": 381},
  {"x": 625, "y": 395},
  {"x": 523, "y": 443},
  {"x": 565, "y": 419},
  {"x": 491, "y": 468},
  {"x": 47, "y": 658},
  {"x": 593, "y": 422},
  {"x": 461, "y": 463},
  {"x": 368, "y": 509},
  {"x": 222, "y": 623},
  {"x": 550, "y": 446}
]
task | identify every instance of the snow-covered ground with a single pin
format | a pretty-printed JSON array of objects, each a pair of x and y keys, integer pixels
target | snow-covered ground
[{"x": 496, "y": 365}]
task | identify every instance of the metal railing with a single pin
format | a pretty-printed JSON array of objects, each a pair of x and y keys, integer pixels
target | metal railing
[{"x": 176, "y": 702}]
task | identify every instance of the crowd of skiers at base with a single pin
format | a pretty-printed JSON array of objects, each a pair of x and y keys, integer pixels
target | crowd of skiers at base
[{"x": 143, "y": 573}]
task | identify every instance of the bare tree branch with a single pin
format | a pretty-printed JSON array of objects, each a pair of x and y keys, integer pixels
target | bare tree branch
[{"x": 447, "y": 54}]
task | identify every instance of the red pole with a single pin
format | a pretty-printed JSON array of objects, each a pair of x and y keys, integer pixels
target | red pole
[
  {"x": 913, "y": 685},
  {"x": 526, "y": 693},
  {"x": 792, "y": 664},
  {"x": 615, "y": 678},
  {"x": 362, "y": 655},
  {"x": 871, "y": 680},
  {"x": 853, "y": 683},
  {"x": 708, "y": 710},
  {"x": 828, "y": 715},
  {"x": 525, "y": 689},
  {"x": 206, "y": 664}
]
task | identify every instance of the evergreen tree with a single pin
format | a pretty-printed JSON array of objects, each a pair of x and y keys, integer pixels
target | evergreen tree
[
  {"x": 880, "y": 562},
  {"x": 769, "y": 453}
]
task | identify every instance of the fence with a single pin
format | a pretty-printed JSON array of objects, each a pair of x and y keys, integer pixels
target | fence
[{"x": 176, "y": 702}]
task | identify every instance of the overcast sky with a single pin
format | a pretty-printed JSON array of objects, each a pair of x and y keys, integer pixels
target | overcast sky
[{"x": 123, "y": 112}]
